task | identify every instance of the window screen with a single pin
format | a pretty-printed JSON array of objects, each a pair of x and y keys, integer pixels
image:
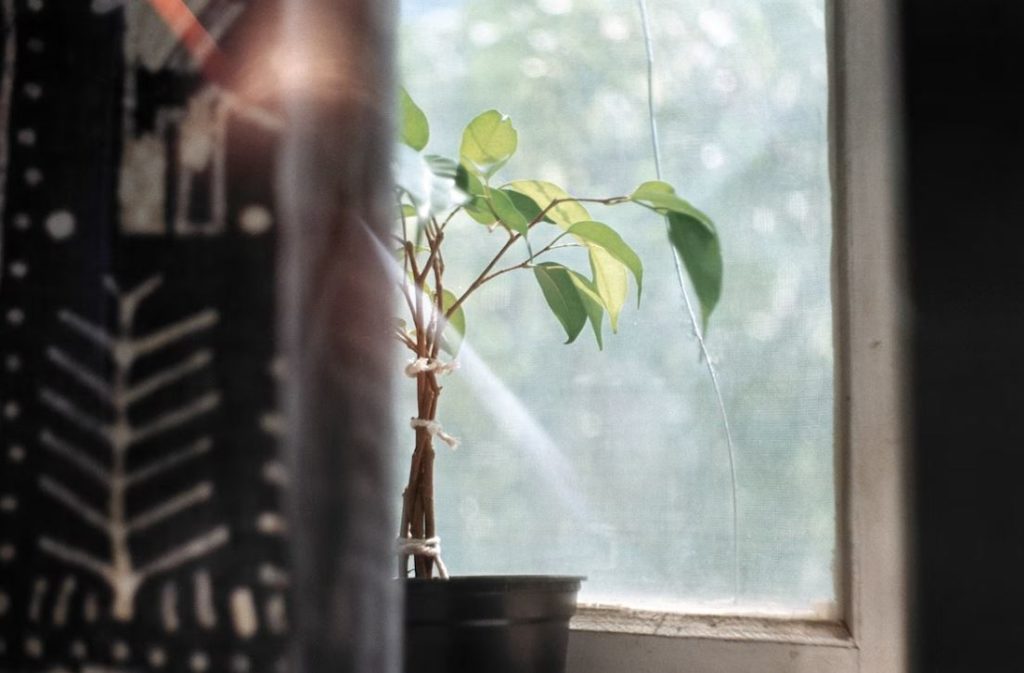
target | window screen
[{"x": 614, "y": 464}]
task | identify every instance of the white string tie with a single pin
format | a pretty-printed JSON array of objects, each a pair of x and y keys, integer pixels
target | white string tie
[
  {"x": 430, "y": 547},
  {"x": 421, "y": 365},
  {"x": 434, "y": 429}
]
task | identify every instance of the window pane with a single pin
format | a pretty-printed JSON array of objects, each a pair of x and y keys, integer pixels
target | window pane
[{"x": 614, "y": 464}]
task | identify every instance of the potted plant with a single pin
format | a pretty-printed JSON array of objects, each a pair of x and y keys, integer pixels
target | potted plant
[{"x": 517, "y": 624}]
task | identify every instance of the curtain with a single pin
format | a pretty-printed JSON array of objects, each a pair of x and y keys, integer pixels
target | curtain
[{"x": 195, "y": 411}]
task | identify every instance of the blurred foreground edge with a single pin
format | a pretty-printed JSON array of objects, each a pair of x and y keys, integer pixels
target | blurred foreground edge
[{"x": 333, "y": 181}]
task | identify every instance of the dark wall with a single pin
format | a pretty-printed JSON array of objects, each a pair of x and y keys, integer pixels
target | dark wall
[{"x": 964, "y": 129}]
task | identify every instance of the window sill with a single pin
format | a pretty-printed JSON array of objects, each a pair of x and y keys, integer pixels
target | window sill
[
  {"x": 605, "y": 619},
  {"x": 613, "y": 640}
]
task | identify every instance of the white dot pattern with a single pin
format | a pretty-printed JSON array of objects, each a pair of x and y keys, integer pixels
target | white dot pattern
[
  {"x": 120, "y": 651},
  {"x": 60, "y": 224},
  {"x": 199, "y": 662},
  {"x": 157, "y": 657},
  {"x": 78, "y": 650},
  {"x": 33, "y": 647}
]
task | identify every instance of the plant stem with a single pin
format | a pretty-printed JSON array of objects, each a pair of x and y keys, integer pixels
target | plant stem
[
  {"x": 611, "y": 201},
  {"x": 418, "y": 516},
  {"x": 484, "y": 277}
]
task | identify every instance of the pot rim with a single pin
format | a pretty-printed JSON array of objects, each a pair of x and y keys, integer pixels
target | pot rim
[
  {"x": 501, "y": 578},
  {"x": 497, "y": 583}
]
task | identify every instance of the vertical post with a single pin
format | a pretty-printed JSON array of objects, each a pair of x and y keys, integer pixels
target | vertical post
[{"x": 334, "y": 312}]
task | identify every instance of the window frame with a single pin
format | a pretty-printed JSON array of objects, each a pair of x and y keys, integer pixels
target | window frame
[{"x": 870, "y": 634}]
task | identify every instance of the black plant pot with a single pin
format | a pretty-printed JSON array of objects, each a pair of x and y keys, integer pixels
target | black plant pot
[{"x": 512, "y": 624}]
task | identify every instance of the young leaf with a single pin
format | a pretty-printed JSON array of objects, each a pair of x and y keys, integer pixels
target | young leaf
[
  {"x": 455, "y": 330},
  {"x": 442, "y": 167},
  {"x": 468, "y": 182},
  {"x": 599, "y": 234},
  {"x": 445, "y": 191},
  {"x": 429, "y": 181},
  {"x": 612, "y": 282},
  {"x": 507, "y": 212},
  {"x": 662, "y": 196},
  {"x": 415, "y": 130},
  {"x": 562, "y": 297},
  {"x": 591, "y": 304},
  {"x": 488, "y": 142},
  {"x": 543, "y": 193},
  {"x": 702, "y": 256}
]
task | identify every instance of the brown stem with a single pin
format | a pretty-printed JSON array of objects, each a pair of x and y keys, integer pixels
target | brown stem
[
  {"x": 486, "y": 274},
  {"x": 418, "y": 520},
  {"x": 442, "y": 318},
  {"x": 557, "y": 202},
  {"x": 483, "y": 275},
  {"x": 435, "y": 247},
  {"x": 405, "y": 340},
  {"x": 418, "y": 516},
  {"x": 526, "y": 262}
]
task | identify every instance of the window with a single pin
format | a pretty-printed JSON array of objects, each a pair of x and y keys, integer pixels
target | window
[{"x": 621, "y": 454}]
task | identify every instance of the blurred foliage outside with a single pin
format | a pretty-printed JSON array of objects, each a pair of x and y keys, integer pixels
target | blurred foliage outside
[{"x": 630, "y": 485}]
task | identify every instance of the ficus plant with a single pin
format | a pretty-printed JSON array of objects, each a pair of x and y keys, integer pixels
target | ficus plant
[{"x": 530, "y": 219}]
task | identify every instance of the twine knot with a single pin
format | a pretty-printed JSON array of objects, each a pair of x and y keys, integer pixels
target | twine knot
[
  {"x": 434, "y": 429},
  {"x": 421, "y": 365},
  {"x": 429, "y": 547}
]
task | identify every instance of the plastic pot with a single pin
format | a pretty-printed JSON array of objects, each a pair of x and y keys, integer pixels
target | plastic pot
[{"x": 489, "y": 624}]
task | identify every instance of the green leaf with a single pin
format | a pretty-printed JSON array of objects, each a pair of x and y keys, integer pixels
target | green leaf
[
  {"x": 477, "y": 206},
  {"x": 562, "y": 296},
  {"x": 543, "y": 193},
  {"x": 507, "y": 212},
  {"x": 488, "y": 142},
  {"x": 415, "y": 130},
  {"x": 468, "y": 182},
  {"x": 702, "y": 255},
  {"x": 662, "y": 197},
  {"x": 600, "y": 234},
  {"x": 429, "y": 181},
  {"x": 442, "y": 167},
  {"x": 591, "y": 304},
  {"x": 455, "y": 330},
  {"x": 612, "y": 282},
  {"x": 481, "y": 211},
  {"x": 524, "y": 204}
]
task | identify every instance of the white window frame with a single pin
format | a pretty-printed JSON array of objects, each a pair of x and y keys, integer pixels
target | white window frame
[{"x": 870, "y": 635}]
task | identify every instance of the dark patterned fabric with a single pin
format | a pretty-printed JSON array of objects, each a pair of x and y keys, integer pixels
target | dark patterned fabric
[{"x": 140, "y": 524}]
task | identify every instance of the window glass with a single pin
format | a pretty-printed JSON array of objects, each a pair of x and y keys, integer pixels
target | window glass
[{"x": 614, "y": 464}]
